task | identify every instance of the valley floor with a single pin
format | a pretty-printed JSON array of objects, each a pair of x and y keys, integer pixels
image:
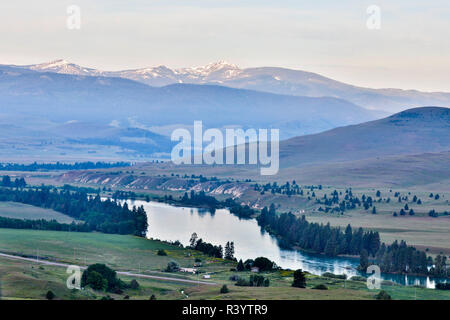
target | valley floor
[
  {"x": 24, "y": 279},
  {"x": 419, "y": 230}
]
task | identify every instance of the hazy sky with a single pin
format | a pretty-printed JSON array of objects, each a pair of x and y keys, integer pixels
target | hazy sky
[{"x": 411, "y": 50}]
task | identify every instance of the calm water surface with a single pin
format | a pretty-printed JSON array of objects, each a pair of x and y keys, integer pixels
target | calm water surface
[{"x": 172, "y": 223}]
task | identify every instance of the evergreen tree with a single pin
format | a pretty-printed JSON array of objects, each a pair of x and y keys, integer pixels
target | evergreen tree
[
  {"x": 49, "y": 295},
  {"x": 299, "y": 279},
  {"x": 240, "y": 266},
  {"x": 229, "y": 250},
  {"x": 363, "y": 260},
  {"x": 193, "y": 239},
  {"x": 6, "y": 181},
  {"x": 224, "y": 289},
  {"x": 348, "y": 238},
  {"x": 330, "y": 248}
]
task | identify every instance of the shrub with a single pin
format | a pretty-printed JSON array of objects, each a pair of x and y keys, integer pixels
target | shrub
[
  {"x": 241, "y": 282},
  {"x": 50, "y": 295},
  {"x": 224, "y": 289},
  {"x": 320, "y": 287},
  {"x": 162, "y": 253},
  {"x": 134, "y": 284},
  {"x": 264, "y": 264},
  {"x": 299, "y": 279},
  {"x": 234, "y": 278},
  {"x": 248, "y": 264},
  {"x": 433, "y": 213},
  {"x": 383, "y": 295},
  {"x": 100, "y": 277},
  {"x": 96, "y": 281},
  {"x": 172, "y": 266},
  {"x": 254, "y": 281},
  {"x": 443, "y": 286}
]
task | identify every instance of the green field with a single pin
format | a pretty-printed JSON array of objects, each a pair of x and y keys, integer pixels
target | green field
[
  {"x": 25, "y": 280},
  {"x": 31, "y": 280},
  {"x": 280, "y": 288},
  {"x": 24, "y": 211},
  {"x": 121, "y": 252}
]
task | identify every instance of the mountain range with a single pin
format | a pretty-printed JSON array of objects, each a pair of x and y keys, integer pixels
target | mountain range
[
  {"x": 269, "y": 79},
  {"x": 66, "y": 109},
  {"x": 103, "y": 100}
]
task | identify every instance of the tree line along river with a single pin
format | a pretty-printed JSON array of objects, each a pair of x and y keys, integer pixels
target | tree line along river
[{"x": 171, "y": 223}]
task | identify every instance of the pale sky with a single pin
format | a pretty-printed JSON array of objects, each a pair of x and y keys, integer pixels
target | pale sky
[{"x": 411, "y": 50}]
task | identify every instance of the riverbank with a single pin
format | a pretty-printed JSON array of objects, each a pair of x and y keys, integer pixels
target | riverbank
[{"x": 173, "y": 223}]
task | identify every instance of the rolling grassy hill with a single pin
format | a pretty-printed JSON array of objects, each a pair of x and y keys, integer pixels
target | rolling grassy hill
[
  {"x": 411, "y": 148},
  {"x": 413, "y": 131},
  {"x": 425, "y": 169}
]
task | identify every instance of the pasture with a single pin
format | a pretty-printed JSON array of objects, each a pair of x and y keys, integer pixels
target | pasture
[{"x": 24, "y": 211}]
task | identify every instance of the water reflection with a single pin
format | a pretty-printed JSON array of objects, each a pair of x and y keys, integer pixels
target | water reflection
[{"x": 172, "y": 223}]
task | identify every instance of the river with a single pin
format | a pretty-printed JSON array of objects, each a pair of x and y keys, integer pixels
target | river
[{"x": 171, "y": 223}]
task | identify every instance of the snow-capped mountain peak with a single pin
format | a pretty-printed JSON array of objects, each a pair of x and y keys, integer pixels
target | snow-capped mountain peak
[
  {"x": 60, "y": 63},
  {"x": 212, "y": 67},
  {"x": 53, "y": 64},
  {"x": 270, "y": 79},
  {"x": 63, "y": 66},
  {"x": 215, "y": 71},
  {"x": 216, "y": 66},
  {"x": 162, "y": 75}
]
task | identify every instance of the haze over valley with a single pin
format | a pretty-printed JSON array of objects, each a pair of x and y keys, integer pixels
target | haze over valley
[
  {"x": 224, "y": 150},
  {"x": 75, "y": 111}
]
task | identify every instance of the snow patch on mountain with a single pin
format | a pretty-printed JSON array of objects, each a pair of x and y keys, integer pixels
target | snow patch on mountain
[{"x": 215, "y": 71}]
